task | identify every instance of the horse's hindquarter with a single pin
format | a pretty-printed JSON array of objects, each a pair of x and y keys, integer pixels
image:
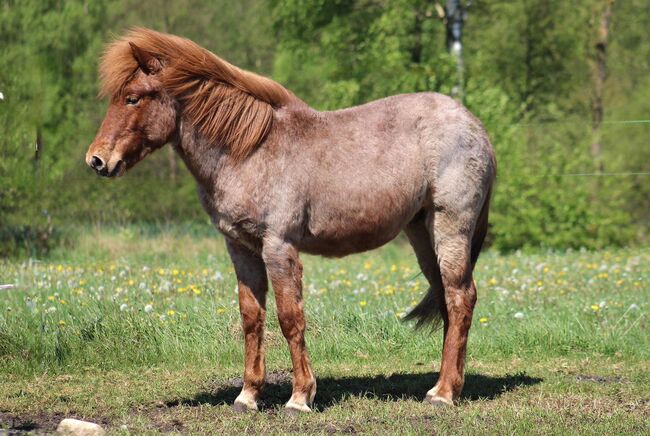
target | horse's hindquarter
[{"x": 369, "y": 175}]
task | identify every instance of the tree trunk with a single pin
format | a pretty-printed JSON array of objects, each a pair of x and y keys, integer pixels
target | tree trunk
[
  {"x": 599, "y": 74},
  {"x": 455, "y": 14}
]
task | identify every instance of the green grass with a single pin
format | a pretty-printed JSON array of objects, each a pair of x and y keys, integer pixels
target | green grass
[{"x": 141, "y": 329}]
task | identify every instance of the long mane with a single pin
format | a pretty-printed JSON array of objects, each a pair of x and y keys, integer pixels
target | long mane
[{"x": 230, "y": 106}]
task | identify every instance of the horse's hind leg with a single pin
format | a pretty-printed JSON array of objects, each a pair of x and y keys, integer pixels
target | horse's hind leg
[
  {"x": 453, "y": 245},
  {"x": 252, "y": 287}
]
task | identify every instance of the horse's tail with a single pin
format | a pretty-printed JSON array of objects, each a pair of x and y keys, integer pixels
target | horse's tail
[{"x": 429, "y": 310}]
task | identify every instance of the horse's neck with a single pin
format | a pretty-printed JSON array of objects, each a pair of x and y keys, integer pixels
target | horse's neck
[{"x": 202, "y": 158}]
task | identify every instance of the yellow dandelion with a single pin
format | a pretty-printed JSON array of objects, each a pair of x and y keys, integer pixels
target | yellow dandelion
[
  {"x": 221, "y": 310},
  {"x": 363, "y": 303},
  {"x": 61, "y": 323},
  {"x": 59, "y": 268},
  {"x": 492, "y": 281},
  {"x": 196, "y": 291},
  {"x": 367, "y": 265},
  {"x": 62, "y": 301},
  {"x": 50, "y": 297},
  {"x": 483, "y": 320},
  {"x": 171, "y": 312},
  {"x": 595, "y": 307},
  {"x": 393, "y": 268}
]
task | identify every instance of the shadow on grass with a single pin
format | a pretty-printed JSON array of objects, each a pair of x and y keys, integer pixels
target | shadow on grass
[{"x": 333, "y": 390}]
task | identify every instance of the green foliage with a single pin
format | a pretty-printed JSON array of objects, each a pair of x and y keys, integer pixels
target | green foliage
[{"x": 364, "y": 50}]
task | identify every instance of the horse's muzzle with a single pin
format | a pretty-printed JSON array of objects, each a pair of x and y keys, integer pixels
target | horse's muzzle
[{"x": 97, "y": 163}]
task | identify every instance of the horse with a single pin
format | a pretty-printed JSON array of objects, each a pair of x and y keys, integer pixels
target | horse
[{"x": 279, "y": 178}]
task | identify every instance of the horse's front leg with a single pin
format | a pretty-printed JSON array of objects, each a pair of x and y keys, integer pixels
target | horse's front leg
[
  {"x": 285, "y": 271},
  {"x": 252, "y": 288}
]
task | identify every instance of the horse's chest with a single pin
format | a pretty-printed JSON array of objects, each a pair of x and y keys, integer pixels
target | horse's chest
[{"x": 235, "y": 220}]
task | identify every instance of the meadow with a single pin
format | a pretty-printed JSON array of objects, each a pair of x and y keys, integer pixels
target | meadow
[{"x": 139, "y": 331}]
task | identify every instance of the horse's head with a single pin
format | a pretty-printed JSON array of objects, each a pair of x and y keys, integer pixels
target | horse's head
[{"x": 141, "y": 118}]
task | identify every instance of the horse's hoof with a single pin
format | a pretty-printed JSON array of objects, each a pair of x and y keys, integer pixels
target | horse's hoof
[
  {"x": 293, "y": 409},
  {"x": 240, "y": 407},
  {"x": 438, "y": 401}
]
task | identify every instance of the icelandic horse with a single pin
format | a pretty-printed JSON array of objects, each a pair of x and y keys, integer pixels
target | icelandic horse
[{"x": 279, "y": 178}]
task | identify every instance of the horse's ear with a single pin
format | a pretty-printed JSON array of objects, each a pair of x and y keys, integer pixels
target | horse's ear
[{"x": 147, "y": 62}]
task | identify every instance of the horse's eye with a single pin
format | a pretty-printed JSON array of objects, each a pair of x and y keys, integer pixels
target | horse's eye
[{"x": 132, "y": 99}]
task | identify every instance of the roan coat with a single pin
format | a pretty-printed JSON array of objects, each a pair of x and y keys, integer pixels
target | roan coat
[{"x": 279, "y": 178}]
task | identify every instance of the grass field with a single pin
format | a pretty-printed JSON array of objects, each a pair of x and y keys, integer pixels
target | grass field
[{"x": 140, "y": 332}]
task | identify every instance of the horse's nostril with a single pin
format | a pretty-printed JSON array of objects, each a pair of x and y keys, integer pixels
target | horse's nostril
[{"x": 97, "y": 163}]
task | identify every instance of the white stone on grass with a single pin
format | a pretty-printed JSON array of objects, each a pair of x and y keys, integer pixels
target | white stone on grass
[{"x": 75, "y": 427}]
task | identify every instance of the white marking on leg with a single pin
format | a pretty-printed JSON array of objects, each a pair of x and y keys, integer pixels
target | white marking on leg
[
  {"x": 291, "y": 404},
  {"x": 247, "y": 399}
]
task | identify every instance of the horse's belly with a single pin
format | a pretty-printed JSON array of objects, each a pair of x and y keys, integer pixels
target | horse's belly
[
  {"x": 337, "y": 246},
  {"x": 340, "y": 234}
]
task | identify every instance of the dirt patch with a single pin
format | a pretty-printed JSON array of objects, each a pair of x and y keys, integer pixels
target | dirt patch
[
  {"x": 329, "y": 428},
  {"x": 164, "y": 423},
  {"x": 598, "y": 379},
  {"x": 40, "y": 423}
]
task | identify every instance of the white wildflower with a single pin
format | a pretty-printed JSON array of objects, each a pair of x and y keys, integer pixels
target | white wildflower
[
  {"x": 31, "y": 305},
  {"x": 519, "y": 315},
  {"x": 148, "y": 308},
  {"x": 123, "y": 307}
]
